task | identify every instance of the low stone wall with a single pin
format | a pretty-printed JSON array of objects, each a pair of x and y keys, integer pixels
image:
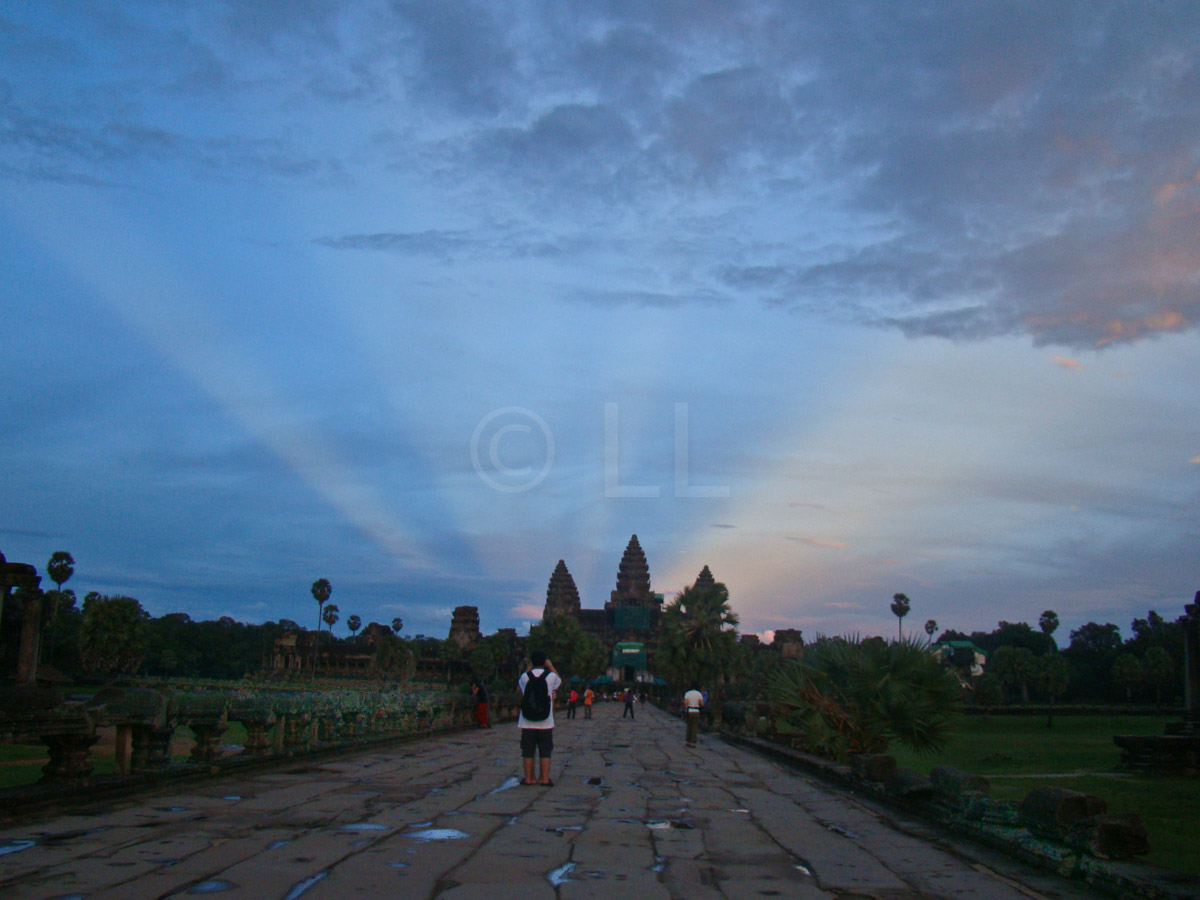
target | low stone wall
[
  {"x": 281, "y": 726},
  {"x": 1065, "y": 831}
]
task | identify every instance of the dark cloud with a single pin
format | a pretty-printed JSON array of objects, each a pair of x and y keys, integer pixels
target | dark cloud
[{"x": 425, "y": 243}]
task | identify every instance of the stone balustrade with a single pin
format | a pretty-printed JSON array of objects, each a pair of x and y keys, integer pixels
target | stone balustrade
[{"x": 282, "y": 723}]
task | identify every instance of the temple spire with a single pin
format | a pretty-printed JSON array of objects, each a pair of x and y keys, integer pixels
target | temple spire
[
  {"x": 561, "y": 594},
  {"x": 633, "y": 575},
  {"x": 704, "y": 580}
]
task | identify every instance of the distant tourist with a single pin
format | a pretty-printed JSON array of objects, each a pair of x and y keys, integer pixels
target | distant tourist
[
  {"x": 628, "y": 698},
  {"x": 693, "y": 700},
  {"x": 479, "y": 692},
  {"x": 589, "y": 697},
  {"x": 536, "y": 720},
  {"x": 572, "y": 700}
]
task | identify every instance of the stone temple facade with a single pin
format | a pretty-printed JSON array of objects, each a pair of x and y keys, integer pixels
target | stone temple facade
[
  {"x": 464, "y": 628},
  {"x": 630, "y": 624}
]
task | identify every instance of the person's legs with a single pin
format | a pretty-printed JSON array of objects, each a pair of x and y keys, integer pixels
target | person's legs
[
  {"x": 693, "y": 726},
  {"x": 545, "y": 742},
  {"x": 528, "y": 746}
]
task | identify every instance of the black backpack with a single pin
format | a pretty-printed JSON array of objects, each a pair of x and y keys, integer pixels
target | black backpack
[{"x": 535, "y": 703}]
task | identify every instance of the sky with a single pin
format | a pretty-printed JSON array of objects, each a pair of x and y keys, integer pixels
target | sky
[{"x": 841, "y": 300}]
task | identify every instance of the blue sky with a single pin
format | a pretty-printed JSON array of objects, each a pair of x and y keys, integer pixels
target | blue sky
[{"x": 839, "y": 299}]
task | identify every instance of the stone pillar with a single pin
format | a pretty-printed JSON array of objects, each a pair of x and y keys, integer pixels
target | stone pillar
[
  {"x": 151, "y": 747},
  {"x": 31, "y": 635},
  {"x": 208, "y": 742},
  {"x": 70, "y": 758},
  {"x": 326, "y": 728},
  {"x": 1191, "y": 662},
  {"x": 256, "y": 737},
  {"x": 124, "y": 749}
]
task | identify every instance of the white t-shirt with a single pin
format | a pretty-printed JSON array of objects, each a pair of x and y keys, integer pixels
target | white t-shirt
[
  {"x": 693, "y": 700},
  {"x": 553, "y": 682}
]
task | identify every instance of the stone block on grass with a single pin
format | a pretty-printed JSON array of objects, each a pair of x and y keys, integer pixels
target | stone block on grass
[
  {"x": 873, "y": 766},
  {"x": 1110, "y": 836},
  {"x": 952, "y": 783},
  {"x": 909, "y": 784},
  {"x": 1052, "y": 811}
]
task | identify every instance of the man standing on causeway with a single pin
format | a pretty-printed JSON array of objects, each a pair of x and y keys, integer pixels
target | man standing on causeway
[{"x": 536, "y": 720}]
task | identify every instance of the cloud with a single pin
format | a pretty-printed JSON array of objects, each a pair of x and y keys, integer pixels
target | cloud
[
  {"x": 1067, "y": 362},
  {"x": 815, "y": 542},
  {"x": 423, "y": 243}
]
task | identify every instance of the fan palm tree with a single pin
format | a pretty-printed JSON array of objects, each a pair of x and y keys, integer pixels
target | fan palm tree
[
  {"x": 397, "y": 625},
  {"x": 900, "y": 605},
  {"x": 321, "y": 589},
  {"x": 931, "y": 628},
  {"x": 354, "y": 623},
  {"x": 60, "y": 568},
  {"x": 857, "y": 696}
]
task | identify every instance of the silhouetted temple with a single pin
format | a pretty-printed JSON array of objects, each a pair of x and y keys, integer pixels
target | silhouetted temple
[{"x": 630, "y": 624}]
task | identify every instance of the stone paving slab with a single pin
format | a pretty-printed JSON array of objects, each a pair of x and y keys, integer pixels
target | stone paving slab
[{"x": 633, "y": 814}]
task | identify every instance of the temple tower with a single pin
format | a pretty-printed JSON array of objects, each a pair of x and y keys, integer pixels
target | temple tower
[
  {"x": 561, "y": 595},
  {"x": 464, "y": 627},
  {"x": 633, "y": 579},
  {"x": 704, "y": 580}
]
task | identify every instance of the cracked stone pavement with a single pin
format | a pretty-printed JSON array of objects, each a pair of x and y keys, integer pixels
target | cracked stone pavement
[{"x": 633, "y": 813}]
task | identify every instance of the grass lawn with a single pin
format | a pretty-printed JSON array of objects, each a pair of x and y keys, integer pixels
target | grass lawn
[
  {"x": 21, "y": 764},
  {"x": 1018, "y": 753}
]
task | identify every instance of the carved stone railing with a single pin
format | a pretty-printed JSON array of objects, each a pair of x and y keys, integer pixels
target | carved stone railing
[{"x": 278, "y": 722}]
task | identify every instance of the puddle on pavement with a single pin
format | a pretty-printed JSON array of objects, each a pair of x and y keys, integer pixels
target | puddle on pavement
[
  {"x": 215, "y": 886},
  {"x": 363, "y": 826},
  {"x": 172, "y": 809},
  {"x": 739, "y": 810},
  {"x": 301, "y": 886},
  {"x": 660, "y": 864},
  {"x": 838, "y": 829},
  {"x": 559, "y": 829},
  {"x": 398, "y": 865},
  {"x": 15, "y": 846},
  {"x": 275, "y": 845},
  {"x": 561, "y": 875},
  {"x": 234, "y": 797},
  {"x": 437, "y": 834},
  {"x": 803, "y": 869},
  {"x": 673, "y": 823},
  {"x": 508, "y": 783}
]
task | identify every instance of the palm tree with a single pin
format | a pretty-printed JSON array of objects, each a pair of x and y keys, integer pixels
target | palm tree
[
  {"x": 1048, "y": 622},
  {"x": 1052, "y": 675},
  {"x": 353, "y": 623},
  {"x": 397, "y": 625},
  {"x": 60, "y": 568},
  {"x": 851, "y": 695},
  {"x": 699, "y": 642},
  {"x": 330, "y": 616},
  {"x": 321, "y": 589},
  {"x": 900, "y": 605},
  {"x": 930, "y": 628}
]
